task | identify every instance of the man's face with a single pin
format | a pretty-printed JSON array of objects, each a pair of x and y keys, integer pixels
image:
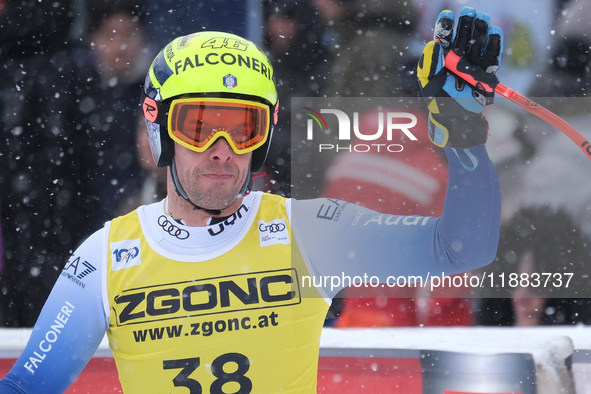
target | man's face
[
  {"x": 213, "y": 179},
  {"x": 116, "y": 43}
]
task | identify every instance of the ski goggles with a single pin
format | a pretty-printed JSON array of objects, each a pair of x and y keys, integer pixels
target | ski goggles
[{"x": 196, "y": 123}]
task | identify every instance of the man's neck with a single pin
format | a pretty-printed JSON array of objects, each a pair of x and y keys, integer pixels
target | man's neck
[{"x": 184, "y": 212}]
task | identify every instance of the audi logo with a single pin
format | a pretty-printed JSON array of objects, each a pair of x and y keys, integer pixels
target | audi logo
[
  {"x": 272, "y": 228},
  {"x": 172, "y": 228}
]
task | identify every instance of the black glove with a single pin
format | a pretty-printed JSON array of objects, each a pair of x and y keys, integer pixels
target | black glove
[{"x": 455, "y": 107}]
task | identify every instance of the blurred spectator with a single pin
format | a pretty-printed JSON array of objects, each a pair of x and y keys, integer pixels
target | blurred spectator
[
  {"x": 168, "y": 19},
  {"x": 563, "y": 85},
  {"x": 42, "y": 183},
  {"x": 120, "y": 53},
  {"x": 1, "y": 264},
  {"x": 548, "y": 174},
  {"x": 293, "y": 30},
  {"x": 545, "y": 209},
  {"x": 539, "y": 240},
  {"x": 375, "y": 55},
  {"x": 371, "y": 54},
  {"x": 568, "y": 71},
  {"x": 371, "y": 51},
  {"x": 1, "y": 249},
  {"x": 410, "y": 182}
]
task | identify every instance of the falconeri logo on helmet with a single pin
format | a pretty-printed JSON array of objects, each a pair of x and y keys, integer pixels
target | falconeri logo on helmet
[
  {"x": 227, "y": 59},
  {"x": 230, "y": 81}
]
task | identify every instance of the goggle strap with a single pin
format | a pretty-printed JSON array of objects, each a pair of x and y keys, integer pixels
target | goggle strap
[{"x": 151, "y": 107}]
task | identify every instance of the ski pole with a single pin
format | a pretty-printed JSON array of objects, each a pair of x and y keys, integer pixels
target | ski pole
[{"x": 451, "y": 63}]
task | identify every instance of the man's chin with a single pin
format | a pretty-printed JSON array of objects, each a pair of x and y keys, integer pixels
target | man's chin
[
  {"x": 216, "y": 195},
  {"x": 219, "y": 201}
]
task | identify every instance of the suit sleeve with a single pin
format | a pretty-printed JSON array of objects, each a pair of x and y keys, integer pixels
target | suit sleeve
[
  {"x": 342, "y": 240},
  {"x": 69, "y": 328}
]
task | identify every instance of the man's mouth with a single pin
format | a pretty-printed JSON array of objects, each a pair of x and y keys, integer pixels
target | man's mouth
[{"x": 218, "y": 176}]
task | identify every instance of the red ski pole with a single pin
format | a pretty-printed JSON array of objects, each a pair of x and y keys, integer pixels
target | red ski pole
[{"x": 451, "y": 63}]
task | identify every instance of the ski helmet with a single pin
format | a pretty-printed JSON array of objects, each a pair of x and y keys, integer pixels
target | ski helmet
[{"x": 206, "y": 64}]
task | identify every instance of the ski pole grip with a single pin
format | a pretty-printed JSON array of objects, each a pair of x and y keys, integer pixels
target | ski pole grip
[{"x": 458, "y": 66}]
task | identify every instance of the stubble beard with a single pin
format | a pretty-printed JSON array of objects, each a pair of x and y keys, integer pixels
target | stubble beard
[{"x": 214, "y": 196}]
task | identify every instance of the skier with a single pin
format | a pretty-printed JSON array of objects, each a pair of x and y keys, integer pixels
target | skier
[{"x": 206, "y": 290}]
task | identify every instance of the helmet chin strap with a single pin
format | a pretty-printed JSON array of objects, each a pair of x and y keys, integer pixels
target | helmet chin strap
[{"x": 181, "y": 191}]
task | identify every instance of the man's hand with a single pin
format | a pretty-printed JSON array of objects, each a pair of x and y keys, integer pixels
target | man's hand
[{"x": 455, "y": 107}]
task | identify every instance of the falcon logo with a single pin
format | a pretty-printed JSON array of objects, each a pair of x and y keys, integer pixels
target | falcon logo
[{"x": 125, "y": 254}]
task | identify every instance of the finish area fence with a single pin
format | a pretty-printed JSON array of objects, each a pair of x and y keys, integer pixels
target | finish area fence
[{"x": 409, "y": 360}]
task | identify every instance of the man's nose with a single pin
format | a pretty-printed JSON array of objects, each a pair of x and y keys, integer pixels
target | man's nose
[{"x": 220, "y": 151}]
